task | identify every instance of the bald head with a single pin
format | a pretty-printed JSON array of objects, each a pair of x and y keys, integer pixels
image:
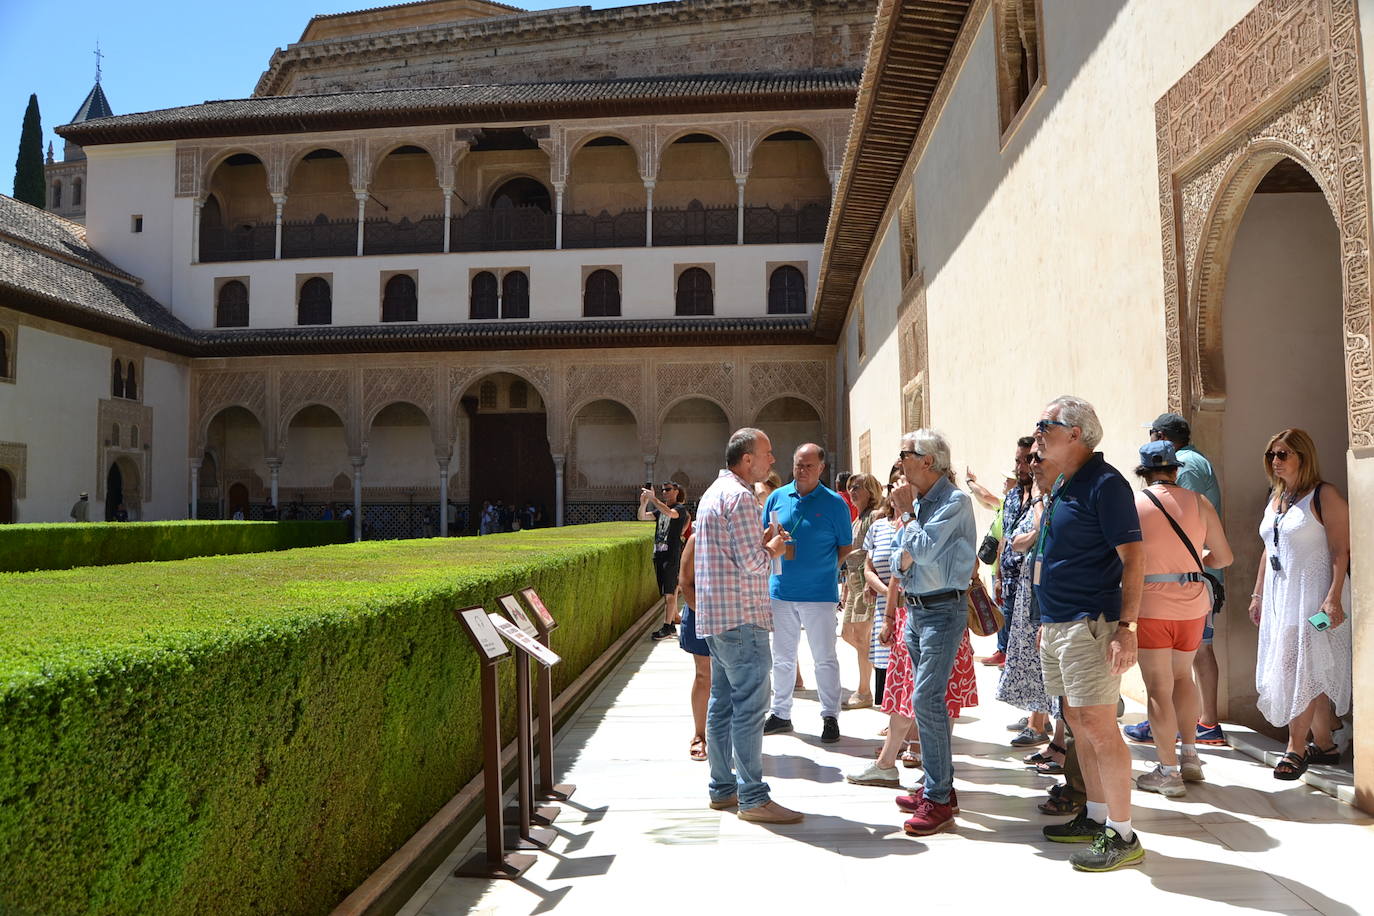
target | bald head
[{"x": 808, "y": 463}]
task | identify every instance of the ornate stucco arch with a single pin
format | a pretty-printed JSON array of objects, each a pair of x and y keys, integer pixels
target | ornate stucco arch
[
  {"x": 377, "y": 155},
  {"x": 764, "y": 132},
  {"x": 733, "y": 146},
  {"x": 462, "y": 378},
  {"x": 212, "y": 163},
  {"x": 730, "y": 419},
  {"x": 582, "y": 138},
  {"x": 298, "y": 152}
]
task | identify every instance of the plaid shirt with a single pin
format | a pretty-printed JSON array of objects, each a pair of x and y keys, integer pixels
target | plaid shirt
[{"x": 731, "y": 564}]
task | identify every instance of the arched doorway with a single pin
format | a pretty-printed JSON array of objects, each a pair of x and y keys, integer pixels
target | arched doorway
[
  {"x": 691, "y": 445},
  {"x": 1271, "y": 352},
  {"x": 788, "y": 192},
  {"x": 401, "y": 465},
  {"x": 114, "y": 491},
  {"x": 235, "y": 452},
  {"x": 208, "y": 491},
  {"x": 790, "y": 422},
  {"x": 238, "y": 218},
  {"x": 122, "y": 490},
  {"x": 238, "y": 501},
  {"x": 605, "y": 464},
  {"x": 508, "y": 446},
  {"x": 316, "y": 471},
  {"x": 7, "y": 511}
]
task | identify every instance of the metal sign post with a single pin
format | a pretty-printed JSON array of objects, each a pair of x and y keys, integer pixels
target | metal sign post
[
  {"x": 495, "y": 862},
  {"x": 543, "y": 697},
  {"x": 539, "y": 815},
  {"x": 526, "y": 648}
]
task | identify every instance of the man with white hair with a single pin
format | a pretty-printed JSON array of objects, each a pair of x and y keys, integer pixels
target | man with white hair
[
  {"x": 934, "y": 558},
  {"x": 1088, "y": 574}
]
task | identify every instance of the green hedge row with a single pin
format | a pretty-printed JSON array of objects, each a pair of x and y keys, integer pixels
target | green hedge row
[
  {"x": 255, "y": 734},
  {"x": 24, "y": 548}
]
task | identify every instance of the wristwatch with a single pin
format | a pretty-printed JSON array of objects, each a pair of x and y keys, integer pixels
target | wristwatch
[
  {"x": 908, "y": 517},
  {"x": 1126, "y": 625}
]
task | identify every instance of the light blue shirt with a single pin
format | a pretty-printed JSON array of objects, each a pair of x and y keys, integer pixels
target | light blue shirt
[
  {"x": 1195, "y": 473},
  {"x": 941, "y": 540}
]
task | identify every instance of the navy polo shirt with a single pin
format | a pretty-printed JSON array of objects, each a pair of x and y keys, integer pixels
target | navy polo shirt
[
  {"x": 819, "y": 524},
  {"x": 1091, "y": 515}
]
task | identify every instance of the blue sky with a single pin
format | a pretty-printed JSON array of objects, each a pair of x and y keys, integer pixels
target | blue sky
[{"x": 158, "y": 54}]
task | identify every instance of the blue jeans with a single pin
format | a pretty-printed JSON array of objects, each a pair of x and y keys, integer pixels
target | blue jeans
[
  {"x": 740, "y": 665},
  {"x": 1008, "y": 603},
  {"x": 933, "y": 633}
]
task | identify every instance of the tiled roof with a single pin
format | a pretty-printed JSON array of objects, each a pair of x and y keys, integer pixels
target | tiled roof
[
  {"x": 465, "y": 104},
  {"x": 47, "y": 268},
  {"x": 95, "y": 106}
]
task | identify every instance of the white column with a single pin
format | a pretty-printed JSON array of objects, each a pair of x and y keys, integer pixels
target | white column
[
  {"x": 834, "y": 184},
  {"x": 278, "y": 201},
  {"x": 195, "y": 230},
  {"x": 362, "y": 216},
  {"x": 739, "y": 182},
  {"x": 558, "y": 490},
  {"x": 195, "y": 486},
  {"x": 448, "y": 215},
  {"x": 648, "y": 212},
  {"x": 358, "y": 498},
  {"x": 649, "y": 468},
  {"x": 443, "y": 497},
  {"x": 274, "y": 466},
  {"x": 558, "y": 215}
]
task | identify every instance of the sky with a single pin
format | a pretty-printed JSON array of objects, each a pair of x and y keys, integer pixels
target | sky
[{"x": 157, "y": 54}]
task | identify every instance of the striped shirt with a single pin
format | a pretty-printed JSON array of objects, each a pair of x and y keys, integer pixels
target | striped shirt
[
  {"x": 731, "y": 564},
  {"x": 881, "y": 537}
]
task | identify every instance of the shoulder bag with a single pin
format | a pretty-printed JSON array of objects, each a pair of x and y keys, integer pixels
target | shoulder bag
[{"x": 1202, "y": 575}]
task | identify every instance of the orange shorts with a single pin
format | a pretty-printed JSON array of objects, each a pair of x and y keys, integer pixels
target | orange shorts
[{"x": 1179, "y": 635}]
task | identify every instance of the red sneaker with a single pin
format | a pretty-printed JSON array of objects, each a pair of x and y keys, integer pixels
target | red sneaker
[
  {"x": 997, "y": 658},
  {"x": 912, "y": 803},
  {"x": 931, "y": 817}
]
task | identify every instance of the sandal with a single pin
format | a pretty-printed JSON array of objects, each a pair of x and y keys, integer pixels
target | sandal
[
  {"x": 1045, "y": 756},
  {"x": 1290, "y": 766},
  {"x": 910, "y": 758},
  {"x": 1049, "y": 768},
  {"x": 859, "y": 701},
  {"x": 698, "y": 751},
  {"x": 1058, "y": 804},
  {"x": 1323, "y": 757}
]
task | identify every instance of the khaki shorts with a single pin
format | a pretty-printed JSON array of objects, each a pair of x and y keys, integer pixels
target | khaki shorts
[{"x": 1074, "y": 659}]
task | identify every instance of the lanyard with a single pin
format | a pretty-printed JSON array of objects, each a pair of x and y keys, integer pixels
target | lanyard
[{"x": 1055, "y": 492}]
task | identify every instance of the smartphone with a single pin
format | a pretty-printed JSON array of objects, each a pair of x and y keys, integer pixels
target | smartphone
[{"x": 1320, "y": 620}]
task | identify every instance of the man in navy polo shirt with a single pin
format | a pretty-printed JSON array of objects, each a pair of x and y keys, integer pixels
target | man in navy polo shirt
[
  {"x": 806, "y": 592},
  {"x": 1088, "y": 573}
]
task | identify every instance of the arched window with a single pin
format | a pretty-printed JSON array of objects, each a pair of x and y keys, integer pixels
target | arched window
[
  {"x": 482, "y": 302},
  {"x": 399, "y": 302},
  {"x": 4, "y": 356},
  {"x": 519, "y": 395},
  {"x": 694, "y": 295},
  {"x": 787, "y": 291},
  {"x": 232, "y": 309},
  {"x": 601, "y": 299},
  {"x": 486, "y": 395},
  {"x": 133, "y": 437},
  {"x": 316, "y": 303},
  {"x": 131, "y": 382},
  {"x": 76, "y": 192},
  {"x": 117, "y": 380},
  {"x": 515, "y": 295},
  {"x": 522, "y": 192},
  {"x": 56, "y": 194},
  {"x": 114, "y": 435}
]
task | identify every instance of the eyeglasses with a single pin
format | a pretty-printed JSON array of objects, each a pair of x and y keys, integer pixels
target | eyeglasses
[
  {"x": 906, "y": 453},
  {"x": 1281, "y": 454},
  {"x": 1042, "y": 426},
  {"x": 1037, "y": 459},
  {"x": 855, "y": 486}
]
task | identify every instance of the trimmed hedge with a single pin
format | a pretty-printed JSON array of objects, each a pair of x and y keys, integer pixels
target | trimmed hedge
[
  {"x": 256, "y": 734},
  {"x": 25, "y": 548}
]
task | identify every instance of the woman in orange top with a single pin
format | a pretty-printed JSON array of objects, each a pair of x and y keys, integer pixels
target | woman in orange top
[{"x": 1173, "y": 610}]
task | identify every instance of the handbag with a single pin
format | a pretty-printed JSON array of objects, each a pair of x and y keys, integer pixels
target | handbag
[
  {"x": 987, "y": 550},
  {"x": 1213, "y": 583},
  {"x": 984, "y": 617}
]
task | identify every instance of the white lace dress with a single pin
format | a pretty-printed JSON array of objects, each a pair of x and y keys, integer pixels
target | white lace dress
[{"x": 1296, "y": 662}]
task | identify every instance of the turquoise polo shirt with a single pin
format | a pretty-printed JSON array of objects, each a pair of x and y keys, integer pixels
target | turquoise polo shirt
[{"x": 819, "y": 525}]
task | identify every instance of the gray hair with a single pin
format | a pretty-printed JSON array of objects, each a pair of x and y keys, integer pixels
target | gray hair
[
  {"x": 930, "y": 442},
  {"x": 1078, "y": 412},
  {"x": 742, "y": 442}
]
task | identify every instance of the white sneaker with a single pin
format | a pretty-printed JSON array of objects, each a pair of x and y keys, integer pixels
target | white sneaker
[
  {"x": 1190, "y": 768},
  {"x": 874, "y": 775},
  {"x": 1170, "y": 785}
]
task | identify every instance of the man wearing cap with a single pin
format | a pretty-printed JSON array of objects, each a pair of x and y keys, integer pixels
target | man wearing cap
[
  {"x": 81, "y": 509},
  {"x": 1194, "y": 473}
]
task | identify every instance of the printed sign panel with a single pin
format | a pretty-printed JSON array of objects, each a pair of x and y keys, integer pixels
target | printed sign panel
[
  {"x": 517, "y": 614},
  {"x": 483, "y": 633},
  {"x": 537, "y": 604},
  {"x": 523, "y": 640}
]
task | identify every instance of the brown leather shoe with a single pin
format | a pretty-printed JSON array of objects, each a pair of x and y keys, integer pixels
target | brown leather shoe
[
  {"x": 725, "y": 804},
  {"x": 771, "y": 813}
]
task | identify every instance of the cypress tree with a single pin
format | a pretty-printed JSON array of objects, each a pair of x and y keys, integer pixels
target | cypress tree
[{"x": 29, "y": 183}]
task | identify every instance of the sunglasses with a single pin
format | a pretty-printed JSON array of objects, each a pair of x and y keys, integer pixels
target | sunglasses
[
  {"x": 1037, "y": 459},
  {"x": 1042, "y": 426},
  {"x": 1282, "y": 454},
  {"x": 908, "y": 453}
]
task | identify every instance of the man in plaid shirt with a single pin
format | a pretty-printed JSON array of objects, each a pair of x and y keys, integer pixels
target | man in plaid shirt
[{"x": 734, "y": 616}]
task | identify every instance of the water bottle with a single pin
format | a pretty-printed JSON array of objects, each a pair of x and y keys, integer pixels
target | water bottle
[{"x": 774, "y": 518}]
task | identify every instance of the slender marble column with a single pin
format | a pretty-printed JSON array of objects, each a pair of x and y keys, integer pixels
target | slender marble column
[
  {"x": 443, "y": 497},
  {"x": 558, "y": 489},
  {"x": 195, "y": 486},
  {"x": 739, "y": 182},
  {"x": 195, "y": 231},
  {"x": 358, "y": 497},
  {"x": 448, "y": 216},
  {"x": 649, "y": 212},
  {"x": 362, "y": 216},
  {"x": 274, "y": 467},
  {"x": 279, "y": 202},
  {"x": 558, "y": 215}
]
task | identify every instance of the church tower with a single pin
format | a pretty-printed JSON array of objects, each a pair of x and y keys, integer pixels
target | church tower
[{"x": 67, "y": 179}]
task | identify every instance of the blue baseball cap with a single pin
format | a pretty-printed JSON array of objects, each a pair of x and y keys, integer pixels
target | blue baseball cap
[{"x": 1159, "y": 454}]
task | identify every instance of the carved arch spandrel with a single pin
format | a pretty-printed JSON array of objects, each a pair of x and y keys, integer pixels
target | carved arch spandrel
[
  {"x": 300, "y": 388},
  {"x": 1288, "y": 76},
  {"x": 217, "y": 391}
]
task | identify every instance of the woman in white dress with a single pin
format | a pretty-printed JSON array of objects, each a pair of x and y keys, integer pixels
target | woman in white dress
[{"x": 1300, "y": 603}]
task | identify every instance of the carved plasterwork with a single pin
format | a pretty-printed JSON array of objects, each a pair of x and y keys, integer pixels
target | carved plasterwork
[
  {"x": 128, "y": 415},
  {"x": 188, "y": 171},
  {"x": 385, "y": 385},
  {"x": 1285, "y": 81},
  {"x": 300, "y": 388},
  {"x": 804, "y": 379},
  {"x": 714, "y": 380},
  {"x": 623, "y": 382},
  {"x": 217, "y": 390},
  {"x": 14, "y": 457}
]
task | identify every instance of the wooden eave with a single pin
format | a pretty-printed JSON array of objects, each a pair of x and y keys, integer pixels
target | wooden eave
[{"x": 908, "y": 56}]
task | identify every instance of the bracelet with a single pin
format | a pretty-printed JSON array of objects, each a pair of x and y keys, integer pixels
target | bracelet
[{"x": 1256, "y": 595}]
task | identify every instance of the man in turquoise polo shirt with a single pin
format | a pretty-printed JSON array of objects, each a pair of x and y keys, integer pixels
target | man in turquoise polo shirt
[{"x": 805, "y": 593}]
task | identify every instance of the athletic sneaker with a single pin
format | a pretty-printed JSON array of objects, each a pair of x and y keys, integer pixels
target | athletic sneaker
[
  {"x": 910, "y": 803},
  {"x": 830, "y": 729},
  {"x": 1109, "y": 851},
  {"x": 1140, "y": 733},
  {"x": 667, "y": 631},
  {"x": 1170, "y": 785},
  {"x": 1210, "y": 734},
  {"x": 1082, "y": 829},
  {"x": 1190, "y": 768},
  {"x": 776, "y": 725},
  {"x": 930, "y": 817},
  {"x": 874, "y": 775},
  {"x": 1019, "y": 724}
]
